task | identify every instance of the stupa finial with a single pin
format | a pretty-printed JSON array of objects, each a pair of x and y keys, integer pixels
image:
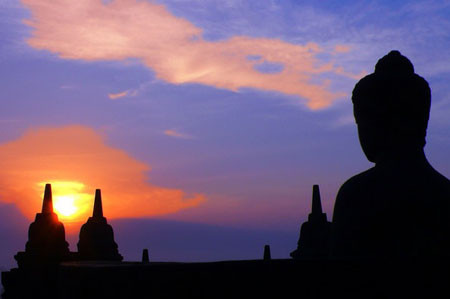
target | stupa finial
[
  {"x": 145, "y": 258},
  {"x": 267, "y": 255},
  {"x": 316, "y": 204},
  {"x": 47, "y": 204},
  {"x": 98, "y": 209}
]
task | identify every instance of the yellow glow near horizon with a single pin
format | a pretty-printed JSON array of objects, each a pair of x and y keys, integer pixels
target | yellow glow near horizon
[{"x": 69, "y": 200}]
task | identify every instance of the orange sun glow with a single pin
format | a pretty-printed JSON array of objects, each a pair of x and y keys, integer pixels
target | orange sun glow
[
  {"x": 69, "y": 200},
  {"x": 76, "y": 160}
]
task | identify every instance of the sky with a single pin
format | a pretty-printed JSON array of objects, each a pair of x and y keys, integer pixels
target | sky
[{"x": 205, "y": 123}]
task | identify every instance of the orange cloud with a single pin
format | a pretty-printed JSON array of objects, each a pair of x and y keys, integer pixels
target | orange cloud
[
  {"x": 76, "y": 160},
  {"x": 175, "y": 48}
]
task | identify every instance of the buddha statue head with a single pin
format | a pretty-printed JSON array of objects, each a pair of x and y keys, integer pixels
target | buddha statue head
[{"x": 391, "y": 108}]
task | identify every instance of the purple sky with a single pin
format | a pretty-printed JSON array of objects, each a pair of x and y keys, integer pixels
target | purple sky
[{"x": 245, "y": 104}]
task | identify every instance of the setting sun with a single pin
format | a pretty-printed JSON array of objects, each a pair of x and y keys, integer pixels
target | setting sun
[
  {"x": 64, "y": 205},
  {"x": 70, "y": 201}
]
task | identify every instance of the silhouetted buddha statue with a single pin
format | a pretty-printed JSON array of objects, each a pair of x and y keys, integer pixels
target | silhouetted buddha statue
[
  {"x": 315, "y": 233},
  {"x": 97, "y": 236},
  {"x": 46, "y": 237},
  {"x": 401, "y": 206}
]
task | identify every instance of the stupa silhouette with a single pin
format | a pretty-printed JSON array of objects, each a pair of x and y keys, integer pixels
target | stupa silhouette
[
  {"x": 314, "y": 233},
  {"x": 46, "y": 237},
  {"x": 97, "y": 236}
]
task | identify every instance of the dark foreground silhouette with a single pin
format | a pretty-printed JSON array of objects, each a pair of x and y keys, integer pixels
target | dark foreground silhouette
[
  {"x": 389, "y": 237},
  {"x": 308, "y": 275}
]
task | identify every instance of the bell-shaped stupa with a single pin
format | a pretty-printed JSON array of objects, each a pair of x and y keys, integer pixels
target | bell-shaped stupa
[
  {"x": 97, "y": 236},
  {"x": 315, "y": 233},
  {"x": 46, "y": 237}
]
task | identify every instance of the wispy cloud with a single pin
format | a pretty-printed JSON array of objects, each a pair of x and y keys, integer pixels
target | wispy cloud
[
  {"x": 114, "y": 96},
  {"x": 77, "y": 156},
  {"x": 345, "y": 120},
  {"x": 176, "y": 50},
  {"x": 67, "y": 86},
  {"x": 342, "y": 48},
  {"x": 176, "y": 134}
]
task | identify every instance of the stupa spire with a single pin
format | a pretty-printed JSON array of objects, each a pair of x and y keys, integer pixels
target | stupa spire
[
  {"x": 98, "y": 208},
  {"x": 47, "y": 204},
  {"x": 267, "y": 255},
  {"x": 145, "y": 258},
  {"x": 316, "y": 208}
]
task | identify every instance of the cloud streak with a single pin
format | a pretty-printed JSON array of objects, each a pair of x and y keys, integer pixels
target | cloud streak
[
  {"x": 76, "y": 159},
  {"x": 176, "y": 134},
  {"x": 114, "y": 96},
  {"x": 174, "y": 48}
]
